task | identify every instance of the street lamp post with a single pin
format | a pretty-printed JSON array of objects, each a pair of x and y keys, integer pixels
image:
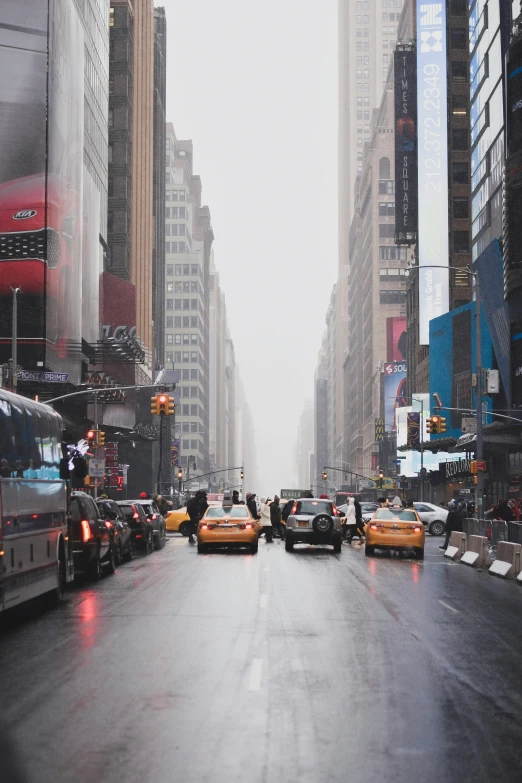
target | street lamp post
[{"x": 14, "y": 336}]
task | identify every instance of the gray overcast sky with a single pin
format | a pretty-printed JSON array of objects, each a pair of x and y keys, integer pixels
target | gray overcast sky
[{"x": 254, "y": 85}]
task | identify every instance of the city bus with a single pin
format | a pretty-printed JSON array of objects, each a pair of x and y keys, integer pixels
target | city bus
[{"x": 35, "y": 548}]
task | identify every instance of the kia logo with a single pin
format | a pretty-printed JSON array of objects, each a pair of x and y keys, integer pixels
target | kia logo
[{"x": 24, "y": 214}]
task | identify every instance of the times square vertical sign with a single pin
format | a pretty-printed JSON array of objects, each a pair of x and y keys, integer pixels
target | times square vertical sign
[
  {"x": 432, "y": 114},
  {"x": 406, "y": 183}
]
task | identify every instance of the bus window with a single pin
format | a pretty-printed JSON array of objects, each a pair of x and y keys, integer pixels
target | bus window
[
  {"x": 6, "y": 432},
  {"x": 33, "y": 435},
  {"x": 45, "y": 435},
  {"x": 21, "y": 445}
]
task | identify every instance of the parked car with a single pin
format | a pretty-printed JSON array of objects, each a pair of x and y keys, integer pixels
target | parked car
[
  {"x": 313, "y": 521},
  {"x": 157, "y": 520},
  {"x": 433, "y": 517},
  {"x": 141, "y": 527},
  {"x": 92, "y": 540},
  {"x": 119, "y": 527}
]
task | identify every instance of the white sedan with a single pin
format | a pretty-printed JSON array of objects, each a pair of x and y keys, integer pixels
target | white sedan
[{"x": 433, "y": 517}]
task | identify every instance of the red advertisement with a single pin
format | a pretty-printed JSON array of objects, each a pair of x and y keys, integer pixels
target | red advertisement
[{"x": 396, "y": 339}]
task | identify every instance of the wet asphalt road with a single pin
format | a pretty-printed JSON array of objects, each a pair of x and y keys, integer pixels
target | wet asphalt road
[{"x": 272, "y": 668}]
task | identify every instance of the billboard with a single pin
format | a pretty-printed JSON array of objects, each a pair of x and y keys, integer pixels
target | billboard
[
  {"x": 394, "y": 389},
  {"x": 452, "y": 362},
  {"x": 432, "y": 117},
  {"x": 406, "y": 185},
  {"x": 41, "y": 176},
  {"x": 411, "y": 461},
  {"x": 396, "y": 339}
]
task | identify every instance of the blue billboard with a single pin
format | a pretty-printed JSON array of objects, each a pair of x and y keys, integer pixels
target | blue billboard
[{"x": 452, "y": 363}]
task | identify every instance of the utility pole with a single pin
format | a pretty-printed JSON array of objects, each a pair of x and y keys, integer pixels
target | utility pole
[{"x": 14, "y": 337}]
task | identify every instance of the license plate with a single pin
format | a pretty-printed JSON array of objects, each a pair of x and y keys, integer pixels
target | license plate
[
  {"x": 227, "y": 526},
  {"x": 302, "y": 524}
]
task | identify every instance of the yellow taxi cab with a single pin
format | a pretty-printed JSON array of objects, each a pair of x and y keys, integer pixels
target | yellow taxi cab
[
  {"x": 177, "y": 521},
  {"x": 229, "y": 526},
  {"x": 395, "y": 528}
]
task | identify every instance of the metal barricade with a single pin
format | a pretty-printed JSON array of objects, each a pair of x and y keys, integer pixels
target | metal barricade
[
  {"x": 477, "y": 527},
  {"x": 515, "y": 532},
  {"x": 499, "y": 532}
]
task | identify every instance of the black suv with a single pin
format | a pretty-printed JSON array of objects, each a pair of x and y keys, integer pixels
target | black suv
[
  {"x": 141, "y": 527},
  {"x": 157, "y": 520},
  {"x": 92, "y": 540},
  {"x": 119, "y": 528}
]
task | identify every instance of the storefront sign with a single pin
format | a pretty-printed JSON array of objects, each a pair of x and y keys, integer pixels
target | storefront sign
[
  {"x": 455, "y": 469},
  {"x": 43, "y": 377}
]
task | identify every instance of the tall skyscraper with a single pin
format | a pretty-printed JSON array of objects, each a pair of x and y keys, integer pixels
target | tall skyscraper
[{"x": 159, "y": 158}]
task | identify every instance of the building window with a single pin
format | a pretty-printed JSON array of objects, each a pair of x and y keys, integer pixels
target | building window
[
  {"x": 384, "y": 168},
  {"x": 111, "y": 16},
  {"x": 459, "y": 38},
  {"x": 170, "y": 339},
  {"x": 392, "y": 253},
  {"x": 170, "y": 305},
  {"x": 386, "y": 186},
  {"x": 177, "y": 304},
  {"x": 170, "y": 322},
  {"x": 392, "y": 297},
  {"x": 170, "y": 269},
  {"x": 170, "y": 288},
  {"x": 460, "y": 174},
  {"x": 111, "y": 118},
  {"x": 386, "y": 230},
  {"x": 460, "y": 208},
  {"x": 387, "y": 275},
  {"x": 459, "y": 106},
  {"x": 459, "y": 72},
  {"x": 194, "y": 269},
  {"x": 169, "y": 357},
  {"x": 461, "y": 241},
  {"x": 459, "y": 139},
  {"x": 386, "y": 209}
]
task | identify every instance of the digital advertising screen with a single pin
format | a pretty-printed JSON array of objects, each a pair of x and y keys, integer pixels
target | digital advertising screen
[{"x": 394, "y": 387}]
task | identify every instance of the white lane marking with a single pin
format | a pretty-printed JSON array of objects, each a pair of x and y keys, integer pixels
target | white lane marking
[
  {"x": 255, "y": 675},
  {"x": 455, "y": 611},
  {"x": 263, "y": 601}
]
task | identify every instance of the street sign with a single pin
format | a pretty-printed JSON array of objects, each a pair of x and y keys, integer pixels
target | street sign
[
  {"x": 96, "y": 468},
  {"x": 481, "y": 464},
  {"x": 469, "y": 424},
  {"x": 379, "y": 429},
  {"x": 45, "y": 377},
  {"x": 292, "y": 494}
]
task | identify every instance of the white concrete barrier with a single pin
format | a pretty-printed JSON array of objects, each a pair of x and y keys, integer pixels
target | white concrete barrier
[
  {"x": 477, "y": 552},
  {"x": 457, "y": 546},
  {"x": 507, "y": 563}
]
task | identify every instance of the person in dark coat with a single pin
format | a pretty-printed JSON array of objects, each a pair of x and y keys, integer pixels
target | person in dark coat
[
  {"x": 196, "y": 507},
  {"x": 275, "y": 516},
  {"x": 504, "y": 512},
  {"x": 285, "y": 513},
  {"x": 235, "y": 498},
  {"x": 252, "y": 505},
  {"x": 453, "y": 522}
]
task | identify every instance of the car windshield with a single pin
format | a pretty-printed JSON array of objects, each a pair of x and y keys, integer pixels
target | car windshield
[
  {"x": 234, "y": 512},
  {"x": 314, "y": 507},
  {"x": 367, "y": 507},
  {"x": 391, "y": 513}
]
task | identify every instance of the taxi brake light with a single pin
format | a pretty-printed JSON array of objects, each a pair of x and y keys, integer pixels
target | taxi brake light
[
  {"x": 335, "y": 510},
  {"x": 108, "y": 524},
  {"x": 86, "y": 530},
  {"x": 135, "y": 515},
  {"x": 154, "y": 516},
  {"x": 375, "y": 525},
  {"x": 204, "y": 527},
  {"x": 249, "y": 526},
  {"x": 294, "y": 508},
  {"x": 139, "y": 535}
]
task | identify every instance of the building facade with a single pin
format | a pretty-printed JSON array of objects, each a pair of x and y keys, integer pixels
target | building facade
[
  {"x": 188, "y": 244},
  {"x": 158, "y": 184}
]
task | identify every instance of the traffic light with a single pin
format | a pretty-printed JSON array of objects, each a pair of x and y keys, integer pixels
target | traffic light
[
  {"x": 473, "y": 466},
  {"x": 242, "y": 474},
  {"x": 381, "y": 476},
  {"x": 101, "y": 438},
  {"x": 180, "y": 473},
  {"x": 162, "y": 404},
  {"x": 91, "y": 437},
  {"x": 154, "y": 406},
  {"x": 442, "y": 425},
  {"x": 432, "y": 425},
  {"x": 171, "y": 408},
  {"x": 324, "y": 475}
]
